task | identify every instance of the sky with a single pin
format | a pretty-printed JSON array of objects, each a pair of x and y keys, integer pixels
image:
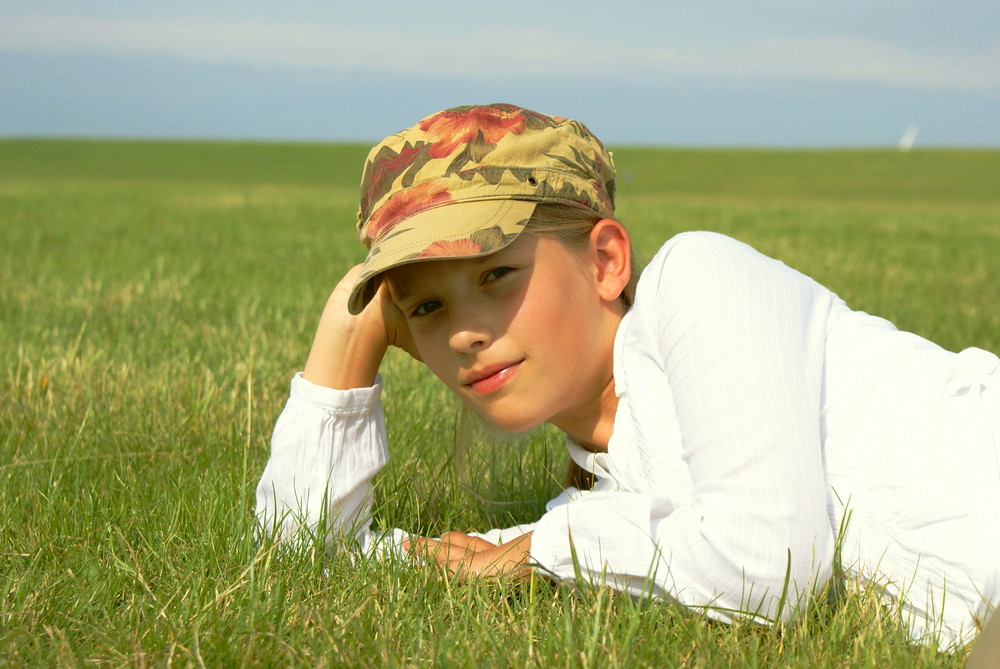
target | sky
[{"x": 781, "y": 73}]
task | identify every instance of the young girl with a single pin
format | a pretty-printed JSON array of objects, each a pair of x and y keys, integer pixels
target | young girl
[{"x": 736, "y": 415}]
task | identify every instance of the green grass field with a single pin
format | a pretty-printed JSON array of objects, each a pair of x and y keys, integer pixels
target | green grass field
[{"x": 156, "y": 298}]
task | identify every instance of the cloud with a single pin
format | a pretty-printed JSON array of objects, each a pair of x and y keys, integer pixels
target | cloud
[
  {"x": 497, "y": 52},
  {"x": 843, "y": 58}
]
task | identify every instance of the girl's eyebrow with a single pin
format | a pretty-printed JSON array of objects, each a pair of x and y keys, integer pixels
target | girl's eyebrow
[{"x": 400, "y": 292}]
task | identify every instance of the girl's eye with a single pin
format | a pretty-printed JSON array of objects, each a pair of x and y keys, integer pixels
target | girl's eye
[
  {"x": 497, "y": 273},
  {"x": 425, "y": 308}
]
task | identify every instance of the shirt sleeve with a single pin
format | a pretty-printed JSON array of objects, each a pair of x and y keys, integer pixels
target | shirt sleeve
[
  {"x": 741, "y": 339},
  {"x": 326, "y": 447}
]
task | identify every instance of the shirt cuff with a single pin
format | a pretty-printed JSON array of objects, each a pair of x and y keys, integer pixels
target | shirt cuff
[{"x": 337, "y": 401}]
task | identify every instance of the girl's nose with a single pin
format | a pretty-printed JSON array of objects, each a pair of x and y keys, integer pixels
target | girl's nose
[{"x": 470, "y": 333}]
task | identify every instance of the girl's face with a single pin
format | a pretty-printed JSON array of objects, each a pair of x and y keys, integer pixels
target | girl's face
[{"x": 522, "y": 335}]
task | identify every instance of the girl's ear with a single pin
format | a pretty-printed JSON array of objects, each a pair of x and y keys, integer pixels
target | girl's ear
[{"x": 611, "y": 250}]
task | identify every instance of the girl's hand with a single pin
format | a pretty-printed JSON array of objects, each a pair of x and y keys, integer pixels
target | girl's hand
[
  {"x": 472, "y": 557},
  {"x": 396, "y": 329},
  {"x": 347, "y": 350}
]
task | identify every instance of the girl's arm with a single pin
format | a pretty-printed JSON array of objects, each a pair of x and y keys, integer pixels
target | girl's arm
[
  {"x": 347, "y": 350},
  {"x": 330, "y": 439}
]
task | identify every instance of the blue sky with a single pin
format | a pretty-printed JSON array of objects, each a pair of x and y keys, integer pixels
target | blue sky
[{"x": 684, "y": 72}]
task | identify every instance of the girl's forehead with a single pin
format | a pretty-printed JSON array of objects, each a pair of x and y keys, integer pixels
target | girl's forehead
[
  {"x": 404, "y": 280},
  {"x": 400, "y": 277}
]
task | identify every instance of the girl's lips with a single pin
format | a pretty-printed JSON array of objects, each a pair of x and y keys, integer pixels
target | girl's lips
[{"x": 494, "y": 380}]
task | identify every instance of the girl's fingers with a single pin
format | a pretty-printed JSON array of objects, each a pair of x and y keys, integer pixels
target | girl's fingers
[
  {"x": 397, "y": 330},
  {"x": 452, "y": 547},
  {"x": 474, "y": 544}
]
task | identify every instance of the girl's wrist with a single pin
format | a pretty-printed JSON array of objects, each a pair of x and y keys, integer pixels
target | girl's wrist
[{"x": 347, "y": 350}]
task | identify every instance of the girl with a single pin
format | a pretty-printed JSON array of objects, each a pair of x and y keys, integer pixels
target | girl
[{"x": 736, "y": 415}]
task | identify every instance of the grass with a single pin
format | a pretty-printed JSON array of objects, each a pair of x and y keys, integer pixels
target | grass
[{"x": 157, "y": 297}]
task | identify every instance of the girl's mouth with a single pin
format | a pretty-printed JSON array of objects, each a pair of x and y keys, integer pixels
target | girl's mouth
[{"x": 493, "y": 379}]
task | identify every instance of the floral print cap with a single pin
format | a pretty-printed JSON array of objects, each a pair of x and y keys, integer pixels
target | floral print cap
[{"x": 465, "y": 181}]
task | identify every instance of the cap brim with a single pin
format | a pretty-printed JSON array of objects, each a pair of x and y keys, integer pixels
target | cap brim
[{"x": 467, "y": 229}]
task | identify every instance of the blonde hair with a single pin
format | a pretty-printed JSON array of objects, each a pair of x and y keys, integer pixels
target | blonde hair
[{"x": 572, "y": 226}]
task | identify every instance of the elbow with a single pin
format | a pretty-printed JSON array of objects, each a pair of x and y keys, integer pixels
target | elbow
[
  {"x": 764, "y": 580},
  {"x": 793, "y": 576}
]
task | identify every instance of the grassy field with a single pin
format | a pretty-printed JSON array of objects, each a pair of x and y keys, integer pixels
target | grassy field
[{"x": 155, "y": 299}]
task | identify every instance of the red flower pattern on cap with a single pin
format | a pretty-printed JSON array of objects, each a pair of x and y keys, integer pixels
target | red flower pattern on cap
[
  {"x": 455, "y": 248},
  {"x": 406, "y": 203},
  {"x": 383, "y": 171},
  {"x": 448, "y": 130}
]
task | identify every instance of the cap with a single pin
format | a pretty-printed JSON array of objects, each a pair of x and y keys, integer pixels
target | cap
[{"x": 464, "y": 182}]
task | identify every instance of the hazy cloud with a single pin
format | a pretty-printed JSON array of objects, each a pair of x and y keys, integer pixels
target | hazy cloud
[{"x": 528, "y": 52}]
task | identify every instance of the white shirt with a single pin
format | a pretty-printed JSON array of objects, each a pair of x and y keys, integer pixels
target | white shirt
[{"x": 758, "y": 417}]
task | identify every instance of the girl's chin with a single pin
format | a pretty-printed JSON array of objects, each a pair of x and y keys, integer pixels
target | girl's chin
[{"x": 508, "y": 423}]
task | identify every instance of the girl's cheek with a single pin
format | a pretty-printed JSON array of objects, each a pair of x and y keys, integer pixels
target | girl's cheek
[
  {"x": 423, "y": 335},
  {"x": 441, "y": 372},
  {"x": 427, "y": 348}
]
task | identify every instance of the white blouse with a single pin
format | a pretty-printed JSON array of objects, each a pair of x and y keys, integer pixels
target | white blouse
[{"x": 758, "y": 417}]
